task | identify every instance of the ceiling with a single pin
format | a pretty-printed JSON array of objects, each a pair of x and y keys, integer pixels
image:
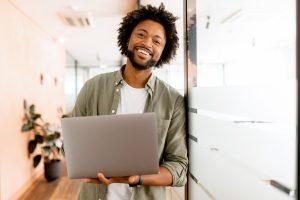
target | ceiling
[
  {"x": 92, "y": 46},
  {"x": 257, "y": 20},
  {"x": 84, "y": 44},
  {"x": 239, "y": 26}
]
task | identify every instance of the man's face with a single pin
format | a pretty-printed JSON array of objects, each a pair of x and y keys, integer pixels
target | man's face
[{"x": 146, "y": 44}]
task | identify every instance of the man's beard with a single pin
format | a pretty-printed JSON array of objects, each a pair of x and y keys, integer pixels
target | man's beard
[{"x": 147, "y": 65}]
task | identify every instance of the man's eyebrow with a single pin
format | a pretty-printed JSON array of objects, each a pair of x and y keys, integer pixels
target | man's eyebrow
[{"x": 140, "y": 29}]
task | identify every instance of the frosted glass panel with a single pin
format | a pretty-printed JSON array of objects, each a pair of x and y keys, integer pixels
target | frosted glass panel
[{"x": 242, "y": 99}]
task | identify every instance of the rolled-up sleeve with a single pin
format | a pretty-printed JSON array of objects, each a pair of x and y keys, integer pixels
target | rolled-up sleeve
[{"x": 175, "y": 150}]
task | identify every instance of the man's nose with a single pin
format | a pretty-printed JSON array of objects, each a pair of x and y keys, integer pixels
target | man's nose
[{"x": 148, "y": 43}]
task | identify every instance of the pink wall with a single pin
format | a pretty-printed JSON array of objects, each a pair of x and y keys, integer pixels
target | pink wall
[{"x": 25, "y": 52}]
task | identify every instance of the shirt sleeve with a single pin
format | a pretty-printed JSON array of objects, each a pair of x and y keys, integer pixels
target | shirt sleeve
[
  {"x": 175, "y": 151},
  {"x": 80, "y": 107}
]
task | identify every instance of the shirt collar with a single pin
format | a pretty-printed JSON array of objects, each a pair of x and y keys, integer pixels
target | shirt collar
[{"x": 149, "y": 85}]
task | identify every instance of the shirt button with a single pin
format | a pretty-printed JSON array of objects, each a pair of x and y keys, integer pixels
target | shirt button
[
  {"x": 113, "y": 111},
  {"x": 116, "y": 83},
  {"x": 117, "y": 89}
]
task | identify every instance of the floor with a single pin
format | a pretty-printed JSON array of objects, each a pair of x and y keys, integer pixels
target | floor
[{"x": 60, "y": 189}]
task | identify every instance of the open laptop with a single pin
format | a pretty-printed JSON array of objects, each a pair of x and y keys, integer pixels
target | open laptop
[{"x": 119, "y": 145}]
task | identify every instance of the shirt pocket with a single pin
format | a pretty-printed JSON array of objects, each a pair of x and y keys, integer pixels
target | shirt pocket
[{"x": 162, "y": 130}]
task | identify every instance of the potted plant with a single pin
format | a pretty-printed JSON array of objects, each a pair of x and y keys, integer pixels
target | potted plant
[{"x": 47, "y": 138}]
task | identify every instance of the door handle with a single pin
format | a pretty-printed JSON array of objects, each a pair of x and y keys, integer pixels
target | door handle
[
  {"x": 192, "y": 110},
  {"x": 281, "y": 187},
  {"x": 195, "y": 139}
]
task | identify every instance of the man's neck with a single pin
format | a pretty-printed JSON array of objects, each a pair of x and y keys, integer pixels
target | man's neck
[{"x": 134, "y": 77}]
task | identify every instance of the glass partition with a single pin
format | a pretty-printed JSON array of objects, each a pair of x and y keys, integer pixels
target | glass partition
[{"x": 242, "y": 99}]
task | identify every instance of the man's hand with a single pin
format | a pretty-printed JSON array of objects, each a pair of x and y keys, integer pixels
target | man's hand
[{"x": 102, "y": 179}]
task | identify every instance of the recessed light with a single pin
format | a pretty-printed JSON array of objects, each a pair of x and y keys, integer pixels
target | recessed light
[
  {"x": 74, "y": 7},
  {"x": 61, "y": 40}
]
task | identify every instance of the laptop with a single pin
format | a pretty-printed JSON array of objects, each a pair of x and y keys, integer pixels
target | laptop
[{"x": 118, "y": 145}]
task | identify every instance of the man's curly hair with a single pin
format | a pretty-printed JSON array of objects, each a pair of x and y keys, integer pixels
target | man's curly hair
[{"x": 159, "y": 15}]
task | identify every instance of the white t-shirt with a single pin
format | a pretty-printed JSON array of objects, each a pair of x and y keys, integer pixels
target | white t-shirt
[{"x": 133, "y": 100}]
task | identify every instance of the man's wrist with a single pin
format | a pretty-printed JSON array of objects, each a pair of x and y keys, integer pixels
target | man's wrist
[{"x": 138, "y": 182}]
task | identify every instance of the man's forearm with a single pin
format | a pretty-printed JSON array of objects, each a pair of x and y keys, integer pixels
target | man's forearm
[{"x": 163, "y": 178}]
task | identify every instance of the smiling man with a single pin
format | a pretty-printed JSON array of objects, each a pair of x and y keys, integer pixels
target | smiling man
[{"x": 148, "y": 37}]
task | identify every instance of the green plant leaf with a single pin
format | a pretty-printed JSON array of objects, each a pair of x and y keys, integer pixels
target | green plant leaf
[
  {"x": 57, "y": 134},
  {"x": 32, "y": 109},
  {"x": 39, "y": 138},
  {"x": 35, "y": 116},
  {"x": 31, "y": 122},
  {"x": 50, "y": 137},
  {"x": 36, "y": 160},
  {"x": 47, "y": 150},
  {"x": 27, "y": 127},
  {"x": 31, "y": 146}
]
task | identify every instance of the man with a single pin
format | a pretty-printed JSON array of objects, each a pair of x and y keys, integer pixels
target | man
[{"x": 148, "y": 37}]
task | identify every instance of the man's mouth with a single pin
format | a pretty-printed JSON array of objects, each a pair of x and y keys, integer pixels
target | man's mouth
[
  {"x": 141, "y": 58},
  {"x": 143, "y": 52}
]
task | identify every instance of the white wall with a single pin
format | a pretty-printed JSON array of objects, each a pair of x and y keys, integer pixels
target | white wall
[{"x": 25, "y": 53}]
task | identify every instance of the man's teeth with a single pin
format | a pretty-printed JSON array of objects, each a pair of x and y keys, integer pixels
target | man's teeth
[{"x": 143, "y": 52}]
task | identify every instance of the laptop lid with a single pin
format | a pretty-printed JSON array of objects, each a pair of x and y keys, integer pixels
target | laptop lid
[{"x": 118, "y": 145}]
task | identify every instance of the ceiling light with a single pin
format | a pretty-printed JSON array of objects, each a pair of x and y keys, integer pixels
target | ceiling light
[
  {"x": 61, "y": 40},
  {"x": 232, "y": 16},
  {"x": 74, "y": 7}
]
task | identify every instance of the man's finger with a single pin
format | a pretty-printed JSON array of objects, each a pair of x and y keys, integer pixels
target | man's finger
[{"x": 103, "y": 179}]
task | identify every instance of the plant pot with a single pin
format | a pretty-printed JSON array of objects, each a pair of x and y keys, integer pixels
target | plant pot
[{"x": 52, "y": 169}]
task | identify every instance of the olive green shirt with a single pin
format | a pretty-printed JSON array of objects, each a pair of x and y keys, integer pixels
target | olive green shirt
[{"x": 101, "y": 95}]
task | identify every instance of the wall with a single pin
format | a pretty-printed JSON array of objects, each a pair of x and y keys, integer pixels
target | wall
[{"x": 25, "y": 52}]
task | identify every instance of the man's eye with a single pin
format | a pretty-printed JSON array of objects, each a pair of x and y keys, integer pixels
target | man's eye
[
  {"x": 157, "y": 42},
  {"x": 140, "y": 35}
]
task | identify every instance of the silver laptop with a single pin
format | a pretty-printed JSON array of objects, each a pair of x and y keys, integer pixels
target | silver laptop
[{"x": 119, "y": 145}]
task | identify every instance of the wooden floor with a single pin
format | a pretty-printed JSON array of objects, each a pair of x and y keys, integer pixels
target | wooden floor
[{"x": 60, "y": 189}]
